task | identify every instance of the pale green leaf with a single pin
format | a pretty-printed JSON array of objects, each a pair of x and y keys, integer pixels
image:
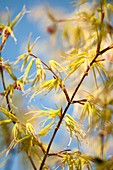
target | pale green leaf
[
  {"x": 74, "y": 128},
  {"x": 56, "y": 66},
  {"x": 18, "y": 18},
  {"x": 9, "y": 114},
  {"x": 74, "y": 65},
  {"x": 29, "y": 128},
  {"x": 27, "y": 70},
  {"x": 48, "y": 113},
  {"x": 46, "y": 129},
  {"x": 21, "y": 57},
  {"x": 8, "y": 68},
  {"x": 5, "y": 121},
  {"x": 47, "y": 86}
]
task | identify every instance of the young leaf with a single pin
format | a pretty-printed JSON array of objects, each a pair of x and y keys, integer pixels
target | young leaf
[
  {"x": 29, "y": 128},
  {"x": 21, "y": 57},
  {"x": 47, "y": 86},
  {"x": 29, "y": 46},
  {"x": 56, "y": 66},
  {"x": 9, "y": 114},
  {"x": 8, "y": 68},
  {"x": 74, "y": 128},
  {"x": 27, "y": 70},
  {"x": 74, "y": 65},
  {"x": 46, "y": 129},
  {"x": 48, "y": 113},
  {"x": 41, "y": 74},
  {"x": 18, "y": 18},
  {"x": 5, "y": 121}
]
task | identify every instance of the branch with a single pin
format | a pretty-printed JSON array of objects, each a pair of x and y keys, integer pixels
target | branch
[
  {"x": 34, "y": 167},
  {"x": 82, "y": 101},
  {"x": 69, "y": 103}
]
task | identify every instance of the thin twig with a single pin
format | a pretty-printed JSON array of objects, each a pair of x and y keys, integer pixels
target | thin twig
[
  {"x": 31, "y": 160},
  {"x": 82, "y": 101},
  {"x": 59, "y": 153}
]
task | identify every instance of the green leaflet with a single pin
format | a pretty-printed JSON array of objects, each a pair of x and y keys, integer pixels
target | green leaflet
[
  {"x": 56, "y": 66},
  {"x": 8, "y": 68},
  {"x": 46, "y": 129},
  {"x": 75, "y": 160},
  {"x": 9, "y": 114},
  {"x": 48, "y": 113},
  {"x": 47, "y": 86},
  {"x": 27, "y": 70},
  {"x": 17, "y": 18},
  {"x": 29, "y": 46},
  {"x": 40, "y": 72},
  {"x": 74, "y": 65},
  {"x": 74, "y": 128}
]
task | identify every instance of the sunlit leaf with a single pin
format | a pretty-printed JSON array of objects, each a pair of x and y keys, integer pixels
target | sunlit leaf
[
  {"x": 29, "y": 46},
  {"x": 18, "y": 18},
  {"x": 21, "y": 57},
  {"x": 74, "y": 128},
  {"x": 75, "y": 160},
  {"x": 46, "y": 129},
  {"x": 48, "y": 113},
  {"x": 27, "y": 70},
  {"x": 56, "y": 66},
  {"x": 9, "y": 70},
  {"x": 29, "y": 128},
  {"x": 40, "y": 72},
  {"x": 7, "y": 31},
  {"x": 27, "y": 57},
  {"x": 9, "y": 114},
  {"x": 5, "y": 121},
  {"x": 47, "y": 86},
  {"x": 74, "y": 65}
]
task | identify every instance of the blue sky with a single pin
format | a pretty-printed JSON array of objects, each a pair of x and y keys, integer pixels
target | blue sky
[{"x": 35, "y": 24}]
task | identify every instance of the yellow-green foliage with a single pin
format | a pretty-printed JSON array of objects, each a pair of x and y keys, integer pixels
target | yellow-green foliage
[{"x": 84, "y": 75}]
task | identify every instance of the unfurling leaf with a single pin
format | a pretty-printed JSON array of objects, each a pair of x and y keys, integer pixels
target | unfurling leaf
[
  {"x": 18, "y": 18},
  {"x": 46, "y": 129},
  {"x": 9, "y": 114},
  {"x": 8, "y": 31},
  {"x": 74, "y": 128},
  {"x": 74, "y": 65},
  {"x": 56, "y": 66},
  {"x": 9, "y": 70},
  {"x": 29, "y": 128},
  {"x": 40, "y": 72},
  {"x": 29, "y": 46},
  {"x": 27, "y": 70},
  {"x": 48, "y": 113},
  {"x": 47, "y": 86},
  {"x": 75, "y": 160}
]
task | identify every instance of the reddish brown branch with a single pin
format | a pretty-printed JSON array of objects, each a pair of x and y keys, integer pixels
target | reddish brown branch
[{"x": 69, "y": 103}]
